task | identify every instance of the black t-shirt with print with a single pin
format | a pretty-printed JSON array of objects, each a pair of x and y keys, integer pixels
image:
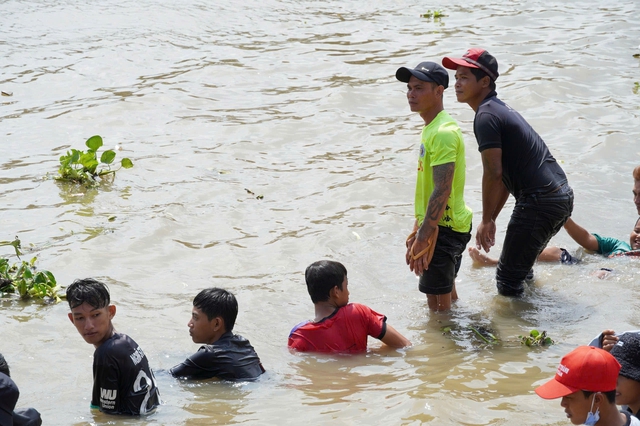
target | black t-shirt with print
[{"x": 123, "y": 383}]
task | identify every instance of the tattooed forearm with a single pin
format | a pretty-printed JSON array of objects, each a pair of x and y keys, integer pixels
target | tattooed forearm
[{"x": 442, "y": 180}]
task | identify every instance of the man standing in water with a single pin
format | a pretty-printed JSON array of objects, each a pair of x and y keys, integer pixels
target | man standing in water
[
  {"x": 515, "y": 160},
  {"x": 442, "y": 217}
]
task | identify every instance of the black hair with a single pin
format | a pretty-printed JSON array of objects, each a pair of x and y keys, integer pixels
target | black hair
[
  {"x": 88, "y": 290},
  {"x": 611, "y": 395},
  {"x": 478, "y": 73},
  {"x": 4, "y": 367},
  {"x": 322, "y": 276},
  {"x": 218, "y": 302}
]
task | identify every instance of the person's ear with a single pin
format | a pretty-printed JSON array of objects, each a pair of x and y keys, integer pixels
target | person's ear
[
  {"x": 487, "y": 81},
  {"x": 112, "y": 311},
  {"x": 334, "y": 292},
  {"x": 218, "y": 323},
  {"x": 599, "y": 398},
  {"x": 71, "y": 318}
]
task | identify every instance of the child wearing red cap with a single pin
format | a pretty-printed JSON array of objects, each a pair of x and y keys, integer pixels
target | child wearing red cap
[{"x": 586, "y": 381}]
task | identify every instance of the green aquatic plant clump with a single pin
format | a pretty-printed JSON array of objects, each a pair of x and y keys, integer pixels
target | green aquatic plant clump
[
  {"x": 435, "y": 14},
  {"x": 536, "y": 338},
  {"x": 24, "y": 279},
  {"x": 84, "y": 167}
]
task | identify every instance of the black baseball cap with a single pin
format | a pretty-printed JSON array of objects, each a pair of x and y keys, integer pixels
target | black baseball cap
[
  {"x": 425, "y": 71},
  {"x": 474, "y": 58},
  {"x": 627, "y": 352}
]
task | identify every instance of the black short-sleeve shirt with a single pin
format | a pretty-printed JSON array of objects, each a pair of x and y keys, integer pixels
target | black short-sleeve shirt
[
  {"x": 123, "y": 383},
  {"x": 229, "y": 358},
  {"x": 527, "y": 165}
]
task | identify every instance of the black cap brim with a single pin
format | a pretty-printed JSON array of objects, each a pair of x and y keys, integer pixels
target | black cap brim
[{"x": 404, "y": 75}]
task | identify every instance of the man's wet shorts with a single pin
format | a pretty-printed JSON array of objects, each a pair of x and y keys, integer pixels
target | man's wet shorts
[{"x": 445, "y": 264}]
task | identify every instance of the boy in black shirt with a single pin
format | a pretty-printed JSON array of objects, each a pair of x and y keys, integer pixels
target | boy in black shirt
[
  {"x": 123, "y": 383},
  {"x": 225, "y": 355}
]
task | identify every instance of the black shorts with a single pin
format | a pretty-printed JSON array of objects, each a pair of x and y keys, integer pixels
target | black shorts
[{"x": 446, "y": 261}]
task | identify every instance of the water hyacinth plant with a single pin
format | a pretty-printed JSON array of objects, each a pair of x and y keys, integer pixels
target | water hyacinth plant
[
  {"x": 84, "y": 167},
  {"x": 536, "y": 338},
  {"x": 24, "y": 279}
]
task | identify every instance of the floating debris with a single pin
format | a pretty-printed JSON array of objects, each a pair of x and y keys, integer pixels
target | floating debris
[{"x": 535, "y": 338}]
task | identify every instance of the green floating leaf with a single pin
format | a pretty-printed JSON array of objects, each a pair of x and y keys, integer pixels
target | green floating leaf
[
  {"x": 108, "y": 156},
  {"x": 126, "y": 163},
  {"x": 94, "y": 142}
]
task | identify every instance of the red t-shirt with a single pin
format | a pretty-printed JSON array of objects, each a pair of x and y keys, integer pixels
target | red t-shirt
[{"x": 344, "y": 331}]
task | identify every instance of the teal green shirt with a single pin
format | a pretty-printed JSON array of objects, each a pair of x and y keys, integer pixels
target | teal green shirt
[{"x": 608, "y": 246}]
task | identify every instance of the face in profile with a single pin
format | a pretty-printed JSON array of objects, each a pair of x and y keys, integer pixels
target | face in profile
[
  {"x": 202, "y": 330},
  {"x": 93, "y": 324},
  {"x": 627, "y": 391},
  {"x": 576, "y": 407},
  {"x": 634, "y": 239}
]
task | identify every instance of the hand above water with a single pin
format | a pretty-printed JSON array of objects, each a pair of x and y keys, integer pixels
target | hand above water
[
  {"x": 486, "y": 235},
  {"x": 609, "y": 340}
]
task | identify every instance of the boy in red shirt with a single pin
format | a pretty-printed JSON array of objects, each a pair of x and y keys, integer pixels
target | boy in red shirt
[{"x": 339, "y": 326}]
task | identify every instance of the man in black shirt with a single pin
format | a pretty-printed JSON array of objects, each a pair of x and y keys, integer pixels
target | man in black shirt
[
  {"x": 123, "y": 383},
  {"x": 515, "y": 160},
  {"x": 224, "y": 355}
]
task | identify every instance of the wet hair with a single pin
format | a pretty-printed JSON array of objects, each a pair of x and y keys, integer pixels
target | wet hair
[
  {"x": 4, "y": 367},
  {"x": 636, "y": 173},
  {"x": 322, "y": 276},
  {"x": 88, "y": 290},
  {"x": 478, "y": 73},
  {"x": 218, "y": 302},
  {"x": 611, "y": 395}
]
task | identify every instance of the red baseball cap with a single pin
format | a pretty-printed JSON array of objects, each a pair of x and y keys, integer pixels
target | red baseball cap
[
  {"x": 474, "y": 58},
  {"x": 584, "y": 368}
]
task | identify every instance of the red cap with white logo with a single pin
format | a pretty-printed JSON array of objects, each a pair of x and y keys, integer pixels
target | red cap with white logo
[{"x": 585, "y": 368}]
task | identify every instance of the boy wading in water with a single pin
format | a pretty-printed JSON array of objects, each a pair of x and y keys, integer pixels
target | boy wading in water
[{"x": 122, "y": 380}]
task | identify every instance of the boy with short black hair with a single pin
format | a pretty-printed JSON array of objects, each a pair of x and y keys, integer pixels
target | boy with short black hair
[
  {"x": 123, "y": 382},
  {"x": 339, "y": 326},
  {"x": 586, "y": 382},
  {"x": 225, "y": 355}
]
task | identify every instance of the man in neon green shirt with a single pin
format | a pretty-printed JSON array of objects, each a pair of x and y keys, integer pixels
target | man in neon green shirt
[{"x": 442, "y": 217}]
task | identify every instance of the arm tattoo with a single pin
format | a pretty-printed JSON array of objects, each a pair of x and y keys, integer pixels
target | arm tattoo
[{"x": 442, "y": 181}]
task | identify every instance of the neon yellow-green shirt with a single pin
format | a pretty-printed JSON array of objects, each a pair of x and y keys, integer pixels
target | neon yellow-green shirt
[{"x": 442, "y": 143}]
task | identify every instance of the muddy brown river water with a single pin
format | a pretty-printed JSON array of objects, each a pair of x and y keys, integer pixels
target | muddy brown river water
[{"x": 218, "y": 103}]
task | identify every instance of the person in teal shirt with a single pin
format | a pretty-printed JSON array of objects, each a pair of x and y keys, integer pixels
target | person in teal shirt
[
  {"x": 606, "y": 246},
  {"x": 442, "y": 226}
]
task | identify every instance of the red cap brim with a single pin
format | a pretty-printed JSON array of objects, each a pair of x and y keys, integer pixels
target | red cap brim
[
  {"x": 454, "y": 63},
  {"x": 554, "y": 389}
]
